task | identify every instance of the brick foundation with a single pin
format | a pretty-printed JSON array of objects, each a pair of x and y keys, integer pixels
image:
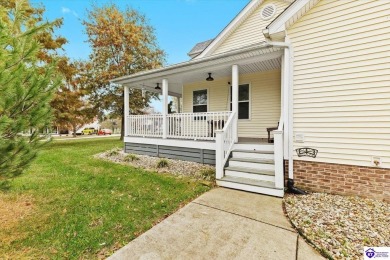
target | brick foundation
[{"x": 342, "y": 179}]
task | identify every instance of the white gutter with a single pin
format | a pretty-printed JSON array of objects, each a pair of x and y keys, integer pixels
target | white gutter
[{"x": 288, "y": 77}]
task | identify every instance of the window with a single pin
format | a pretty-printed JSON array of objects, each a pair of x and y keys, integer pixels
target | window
[
  {"x": 243, "y": 101},
  {"x": 199, "y": 101}
]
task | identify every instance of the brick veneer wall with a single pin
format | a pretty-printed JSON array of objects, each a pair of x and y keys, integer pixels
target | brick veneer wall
[{"x": 342, "y": 179}]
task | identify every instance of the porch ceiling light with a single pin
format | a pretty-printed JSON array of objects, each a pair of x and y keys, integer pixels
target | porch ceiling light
[
  {"x": 209, "y": 78},
  {"x": 158, "y": 86}
]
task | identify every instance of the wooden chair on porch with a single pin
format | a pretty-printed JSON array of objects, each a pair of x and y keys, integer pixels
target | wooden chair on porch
[
  {"x": 269, "y": 130},
  {"x": 215, "y": 125}
]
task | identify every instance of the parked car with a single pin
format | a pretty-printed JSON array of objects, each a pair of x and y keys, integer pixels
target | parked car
[
  {"x": 105, "y": 132},
  {"x": 89, "y": 131},
  {"x": 63, "y": 132}
]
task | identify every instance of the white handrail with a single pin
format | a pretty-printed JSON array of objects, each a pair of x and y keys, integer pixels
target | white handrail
[
  {"x": 145, "y": 125},
  {"x": 224, "y": 144},
  {"x": 279, "y": 155},
  {"x": 228, "y": 137},
  {"x": 281, "y": 123},
  {"x": 195, "y": 126}
]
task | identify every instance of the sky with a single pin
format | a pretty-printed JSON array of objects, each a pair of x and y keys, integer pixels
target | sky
[{"x": 178, "y": 24}]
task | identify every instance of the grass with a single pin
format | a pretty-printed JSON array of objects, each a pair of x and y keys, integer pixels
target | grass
[
  {"x": 71, "y": 205},
  {"x": 131, "y": 157},
  {"x": 208, "y": 174}
]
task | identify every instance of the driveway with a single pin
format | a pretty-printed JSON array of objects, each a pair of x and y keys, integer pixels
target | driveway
[{"x": 222, "y": 224}]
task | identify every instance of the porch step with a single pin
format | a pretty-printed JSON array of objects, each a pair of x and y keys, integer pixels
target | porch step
[
  {"x": 253, "y": 147},
  {"x": 254, "y": 154},
  {"x": 254, "y": 151},
  {"x": 258, "y": 164},
  {"x": 250, "y": 173},
  {"x": 257, "y": 186}
]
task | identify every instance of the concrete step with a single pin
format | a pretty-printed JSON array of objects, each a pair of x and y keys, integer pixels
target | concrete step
[
  {"x": 255, "y": 154},
  {"x": 250, "y": 173},
  {"x": 263, "y": 187},
  {"x": 253, "y": 147},
  {"x": 258, "y": 164}
]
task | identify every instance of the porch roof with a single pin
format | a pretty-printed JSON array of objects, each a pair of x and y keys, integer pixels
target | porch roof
[{"x": 250, "y": 59}]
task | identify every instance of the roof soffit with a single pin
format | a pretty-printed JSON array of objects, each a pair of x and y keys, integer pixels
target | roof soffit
[{"x": 238, "y": 57}]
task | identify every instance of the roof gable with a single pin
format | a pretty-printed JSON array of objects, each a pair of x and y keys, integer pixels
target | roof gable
[
  {"x": 292, "y": 14},
  {"x": 241, "y": 17}
]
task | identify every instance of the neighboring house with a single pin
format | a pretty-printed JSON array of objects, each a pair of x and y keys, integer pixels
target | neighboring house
[{"x": 317, "y": 71}]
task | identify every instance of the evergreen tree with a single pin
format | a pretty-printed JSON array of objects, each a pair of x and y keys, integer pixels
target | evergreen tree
[{"x": 27, "y": 83}]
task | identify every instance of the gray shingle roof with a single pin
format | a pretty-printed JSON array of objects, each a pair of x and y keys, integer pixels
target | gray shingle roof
[{"x": 199, "y": 47}]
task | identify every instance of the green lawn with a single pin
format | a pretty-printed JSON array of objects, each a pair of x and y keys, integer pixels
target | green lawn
[{"x": 70, "y": 205}]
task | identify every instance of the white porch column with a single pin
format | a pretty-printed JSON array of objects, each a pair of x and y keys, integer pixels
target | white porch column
[
  {"x": 126, "y": 111},
  {"x": 165, "y": 107},
  {"x": 235, "y": 81},
  {"x": 285, "y": 99}
]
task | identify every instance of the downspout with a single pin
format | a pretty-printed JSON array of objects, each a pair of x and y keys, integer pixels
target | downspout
[{"x": 289, "y": 61}]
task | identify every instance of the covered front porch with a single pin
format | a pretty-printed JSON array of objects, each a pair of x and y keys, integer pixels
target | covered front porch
[{"x": 220, "y": 99}]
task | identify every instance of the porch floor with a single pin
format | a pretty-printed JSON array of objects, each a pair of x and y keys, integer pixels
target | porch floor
[
  {"x": 249, "y": 140},
  {"x": 241, "y": 140}
]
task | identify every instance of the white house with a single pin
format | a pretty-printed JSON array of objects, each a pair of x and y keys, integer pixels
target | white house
[{"x": 315, "y": 73}]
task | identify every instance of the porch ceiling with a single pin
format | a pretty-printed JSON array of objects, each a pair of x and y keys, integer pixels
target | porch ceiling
[{"x": 249, "y": 60}]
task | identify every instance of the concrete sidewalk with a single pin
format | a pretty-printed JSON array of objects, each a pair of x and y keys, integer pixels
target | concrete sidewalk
[{"x": 222, "y": 224}]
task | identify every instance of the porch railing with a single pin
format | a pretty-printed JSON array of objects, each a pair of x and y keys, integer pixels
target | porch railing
[
  {"x": 279, "y": 155},
  {"x": 195, "y": 126},
  {"x": 224, "y": 144},
  {"x": 145, "y": 125}
]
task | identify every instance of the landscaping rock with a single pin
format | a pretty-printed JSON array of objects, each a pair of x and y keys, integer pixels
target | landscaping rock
[
  {"x": 175, "y": 167},
  {"x": 340, "y": 226}
]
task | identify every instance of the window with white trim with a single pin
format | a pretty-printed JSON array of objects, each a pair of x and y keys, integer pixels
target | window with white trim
[
  {"x": 199, "y": 101},
  {"x": 243, "y": 101}
]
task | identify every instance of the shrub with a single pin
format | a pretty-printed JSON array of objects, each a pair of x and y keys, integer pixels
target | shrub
[
  {"x": 162, "y": 163},
  {"x": 131, "y": 157},
  {"x": 208, "y": 174},
  {"x": 113, "y": 152}
]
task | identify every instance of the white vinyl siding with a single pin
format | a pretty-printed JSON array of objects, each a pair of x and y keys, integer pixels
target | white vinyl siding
[
  {"x": 264, "y": 100},
  {"x": 251, "y": 30},
  {"x": 342, "y": 81}
]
